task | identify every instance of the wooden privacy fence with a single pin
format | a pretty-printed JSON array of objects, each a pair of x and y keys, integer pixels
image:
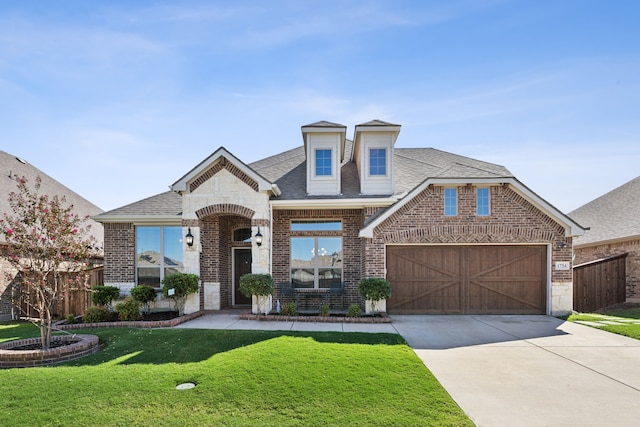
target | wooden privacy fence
[
  {"x": 72, "y": 302},
  {"x": 598, "y": 284}
]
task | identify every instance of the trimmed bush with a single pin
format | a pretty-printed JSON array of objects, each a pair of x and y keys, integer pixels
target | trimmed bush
[
  {"x": 71, "y": 319},
  {"x": 128, "y": 310},
  {"x": 375, "y": 288},
  {"x": 324, "y": 310},
  {"x": 289, "y": 309},
  {"x": 104, "y": 295},
  {"x": 354, "y": 310},
  {"x": 178, "y": 286},
  {"x": 97, "y": 314},
  {"x": 145, "y": 295},
  {"x": 256, "y": 284}
]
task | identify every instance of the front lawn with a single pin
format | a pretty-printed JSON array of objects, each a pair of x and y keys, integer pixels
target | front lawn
[
  {"x": 628, "y": 317},
  {"x": 265, "y": 378}
]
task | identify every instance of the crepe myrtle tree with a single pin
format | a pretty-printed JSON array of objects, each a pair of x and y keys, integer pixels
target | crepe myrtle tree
[{"x": 49, "y": 246}]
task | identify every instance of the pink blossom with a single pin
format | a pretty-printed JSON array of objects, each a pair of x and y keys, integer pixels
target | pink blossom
[{"x": 10, "y": 232}]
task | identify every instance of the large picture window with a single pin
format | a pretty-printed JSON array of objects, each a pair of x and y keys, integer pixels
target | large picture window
[
  {"x": 316, "y": 258},
  {"x": 158, "y": 254}
]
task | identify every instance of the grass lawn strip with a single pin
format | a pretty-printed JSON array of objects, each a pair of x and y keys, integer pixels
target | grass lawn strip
[
  {"x": 623, "y": 321},
  {"x": 267, "y": 378}
]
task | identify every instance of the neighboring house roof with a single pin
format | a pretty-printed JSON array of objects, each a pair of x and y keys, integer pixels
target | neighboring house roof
[
  {"x": 12, "y": 166},
  {"x": 612, "y": 217}
]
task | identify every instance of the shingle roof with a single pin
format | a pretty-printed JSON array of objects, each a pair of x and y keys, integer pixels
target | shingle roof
[
  {"x": 168, "y": 203},
  {"x": 288, "y": 170},
  {"x": 613, "y": 216},
  {"x": 377, "y": 122},
  {"x": 11, "y": 166},
  {"x": 324, "y": 124}
]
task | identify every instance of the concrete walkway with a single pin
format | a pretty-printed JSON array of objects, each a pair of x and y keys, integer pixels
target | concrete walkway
[{"x": 508, "y": 370}]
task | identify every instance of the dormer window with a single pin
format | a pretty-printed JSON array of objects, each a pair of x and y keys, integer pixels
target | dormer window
[
  {"x": 323, "y": 162},
  {"x": 378, "y": 162}
]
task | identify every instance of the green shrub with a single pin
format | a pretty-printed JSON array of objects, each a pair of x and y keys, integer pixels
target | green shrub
[
  {"x": 375, "y": 288},
  {"x": 289, "y": 309},
  {"x": 144, "y": 295},
  {"x": 128, "y": 310},
  {"x": 256, "y": 284},
  {"x": 71, "y": 319},
  {"x": 324, "y": 310},
  {"x": 104, "y": 295},
  {"x": 97, "y": 314},
  {"x": 354, "y": 310},
  {"x": 178, "y": 286}
]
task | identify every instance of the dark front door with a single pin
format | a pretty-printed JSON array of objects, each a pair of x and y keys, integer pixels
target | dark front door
[{"x": 241, "y": 265}]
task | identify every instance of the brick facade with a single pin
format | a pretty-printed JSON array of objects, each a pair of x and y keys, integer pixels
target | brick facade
[
  {"x": 512, "y": 220},
  {"x": 352, "y": 220},
  {"x": 632, "y": 266},
  {"x": 119, "y": 253}
]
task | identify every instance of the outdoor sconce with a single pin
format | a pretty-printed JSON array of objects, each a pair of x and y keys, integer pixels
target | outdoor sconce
[
  {"x": 258, "y": 237},
  {"x": 561, "y": 245},
  {"x": 189, "y": 238}
]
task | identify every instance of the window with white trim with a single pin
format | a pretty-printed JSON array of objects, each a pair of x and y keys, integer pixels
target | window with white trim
[
  {"x": 323, "y": 162},
  {"x": 378, "y": 161},
  {"x": 158, "y": 253},
  {"x": 450, "y": 201},
  {"x": 316, "y": 256},
  {"x": 482, "y": 202}
]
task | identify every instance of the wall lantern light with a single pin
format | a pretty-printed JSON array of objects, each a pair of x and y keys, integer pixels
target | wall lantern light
[
  {"x": 561, "y": 245},
  {"x": 258, "y": 237},
  {"x": 189, "y": 238}
]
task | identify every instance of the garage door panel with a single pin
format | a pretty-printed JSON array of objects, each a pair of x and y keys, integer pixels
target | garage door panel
[{"x": 467, "y": 279}]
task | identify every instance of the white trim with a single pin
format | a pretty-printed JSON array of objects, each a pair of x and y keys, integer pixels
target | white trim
[
  {"x": 571, "y": 227},
  {"x": 140, "y": 219},
  {"x": 334, "y": 203}
]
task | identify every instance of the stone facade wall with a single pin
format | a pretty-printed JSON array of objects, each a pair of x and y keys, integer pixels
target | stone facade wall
[
  {"x": 352, "y": 246},
  {"x": 632, "y": 267}
]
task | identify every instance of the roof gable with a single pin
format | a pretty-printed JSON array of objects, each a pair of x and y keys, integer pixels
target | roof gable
[{"x": 223, "y": 159}]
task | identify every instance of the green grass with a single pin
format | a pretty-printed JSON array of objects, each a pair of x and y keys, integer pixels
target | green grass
[
  {"x": 245, "y": 378},
  {"x": 630, "y": 330}
]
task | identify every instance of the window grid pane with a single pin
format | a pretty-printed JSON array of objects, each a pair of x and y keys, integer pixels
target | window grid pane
[
  {"x": 377, "y": 161},
  {"x": 323, "y": 162},
  {"x": 316, "y": 262},
  {"x": 482, "y": 201},
  {"x": 450, "y": 202}
]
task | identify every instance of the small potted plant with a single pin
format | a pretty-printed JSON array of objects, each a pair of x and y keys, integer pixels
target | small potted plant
[
  {"x": 260, "y": 288},
  {"x": 375, "y": 291}
]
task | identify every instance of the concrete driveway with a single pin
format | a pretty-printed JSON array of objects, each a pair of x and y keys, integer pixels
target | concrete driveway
[{"x": 530, "y": 370}]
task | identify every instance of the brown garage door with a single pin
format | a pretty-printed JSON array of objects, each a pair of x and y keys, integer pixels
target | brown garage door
[{"x": 467, "y": 279}]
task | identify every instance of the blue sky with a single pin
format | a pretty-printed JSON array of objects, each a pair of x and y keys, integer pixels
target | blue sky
[{"x": 118, "y": 99}]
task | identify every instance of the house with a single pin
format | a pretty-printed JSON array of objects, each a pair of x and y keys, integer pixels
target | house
[
  {"x": 614, "y": 229},
  {"x": 12, "y": 166},
  {"x": 451, "y": 234}
]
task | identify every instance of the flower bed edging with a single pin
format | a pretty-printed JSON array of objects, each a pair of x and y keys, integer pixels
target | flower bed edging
[
  {"x": 134, "y": 324},
  {"x": 82, "y": 345},
  {"x": 325, "y": 319}
]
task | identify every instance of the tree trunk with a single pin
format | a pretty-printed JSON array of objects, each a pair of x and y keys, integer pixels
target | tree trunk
[{"x": 45, "y": 328}]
